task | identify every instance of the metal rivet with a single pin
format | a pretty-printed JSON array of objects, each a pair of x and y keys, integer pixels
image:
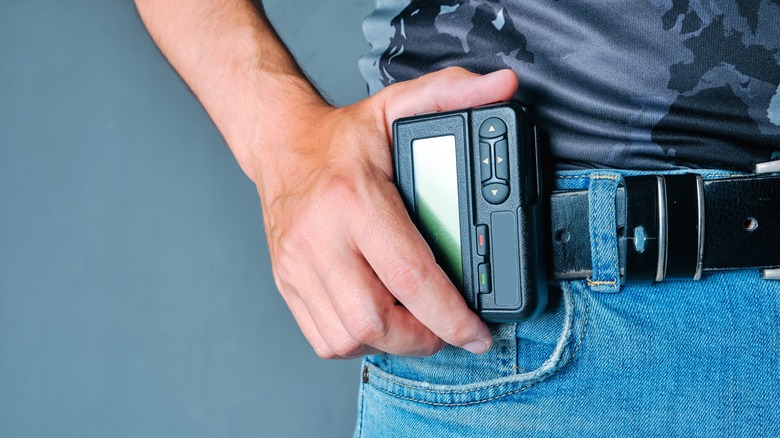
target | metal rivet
[
  {"x": 562, "y": 236},
  {"x": 640, "y": 239},
  {"x": 750, "y": 224}
]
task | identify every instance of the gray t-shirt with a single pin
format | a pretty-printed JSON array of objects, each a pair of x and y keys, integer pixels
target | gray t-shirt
[{"x": 644, "y": 84}]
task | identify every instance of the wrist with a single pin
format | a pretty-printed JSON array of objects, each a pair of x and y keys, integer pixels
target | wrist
[
  {"x": 318, "y": 145},
  {"x": 269, "y": 117}
]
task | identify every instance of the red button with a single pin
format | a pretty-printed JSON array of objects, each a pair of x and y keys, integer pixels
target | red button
[{"x": 482, "y": 240}]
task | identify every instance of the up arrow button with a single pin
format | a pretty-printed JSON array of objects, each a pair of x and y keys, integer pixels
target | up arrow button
[{"x": 492, "y": 128}]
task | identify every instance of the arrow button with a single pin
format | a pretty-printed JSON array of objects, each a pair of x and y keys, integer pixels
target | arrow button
[
  {"x": 502, "y": 164},
  {"x": 495, "y": 193},
  {"x": 492, "y": 128},
  {"x": 484, "y": 160}
]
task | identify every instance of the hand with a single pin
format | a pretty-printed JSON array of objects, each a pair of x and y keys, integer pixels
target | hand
[{"x": 344, "y": 251}]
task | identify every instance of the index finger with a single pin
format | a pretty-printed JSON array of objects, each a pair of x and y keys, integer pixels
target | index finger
[{"x": 402, "y": 260}]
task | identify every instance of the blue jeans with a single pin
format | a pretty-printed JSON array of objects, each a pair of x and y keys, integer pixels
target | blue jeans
[{"x": 674, "y": 358}]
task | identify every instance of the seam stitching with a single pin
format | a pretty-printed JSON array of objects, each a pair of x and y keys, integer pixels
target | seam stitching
[
  {"x": 584, "y": 326},
  {"x": 601, "y": 282},
  {"x": 362, "y": 406},
  {"x": 474, "y": 402},
  {"x": 439, "y": 391},
  {"x": 593, "y": 222},
  {"x": 613, "y": 216}
]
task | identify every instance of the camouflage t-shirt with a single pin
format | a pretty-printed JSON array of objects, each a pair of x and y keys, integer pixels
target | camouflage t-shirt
[{"x": 644, "y": 84}]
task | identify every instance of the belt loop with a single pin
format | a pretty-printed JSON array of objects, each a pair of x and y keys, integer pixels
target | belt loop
[{"x": 602, "y": 219}]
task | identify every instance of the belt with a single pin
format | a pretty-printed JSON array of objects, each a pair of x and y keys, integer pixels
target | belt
[{"x": 675, "y": 227}]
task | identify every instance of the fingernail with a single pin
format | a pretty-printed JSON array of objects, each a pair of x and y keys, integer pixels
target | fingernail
[{"x": 477, "y": 347}]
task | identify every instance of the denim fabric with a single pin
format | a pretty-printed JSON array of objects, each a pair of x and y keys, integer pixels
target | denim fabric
[{"x": 673, "y": 358}]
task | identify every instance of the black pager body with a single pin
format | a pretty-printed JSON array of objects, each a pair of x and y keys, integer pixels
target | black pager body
[{"x": 471, "y": 181}]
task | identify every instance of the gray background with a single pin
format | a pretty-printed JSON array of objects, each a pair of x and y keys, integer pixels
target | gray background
[{"x": 136, "y": 297}]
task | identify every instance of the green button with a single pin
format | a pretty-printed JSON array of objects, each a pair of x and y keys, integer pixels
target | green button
[{"x": 484, "y": 278}]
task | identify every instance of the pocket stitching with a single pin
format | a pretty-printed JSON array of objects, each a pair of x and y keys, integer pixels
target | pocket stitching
[
  {"x": 505, "y": 381},
  {"x": 421, "y": 388},
  {"x": 469, "y": 403}
]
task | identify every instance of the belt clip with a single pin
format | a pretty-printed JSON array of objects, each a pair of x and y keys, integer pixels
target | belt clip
[{"x": 759, "y": 169}]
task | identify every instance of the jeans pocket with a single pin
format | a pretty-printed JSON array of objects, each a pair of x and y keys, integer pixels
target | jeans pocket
[{"x": 522, "y": 355}]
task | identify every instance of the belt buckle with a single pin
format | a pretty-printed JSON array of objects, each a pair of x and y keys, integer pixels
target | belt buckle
[{"x": 765, "y": 168}]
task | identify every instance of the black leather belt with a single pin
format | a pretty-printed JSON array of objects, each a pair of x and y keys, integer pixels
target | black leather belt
[{"x": 676, "y": 227}]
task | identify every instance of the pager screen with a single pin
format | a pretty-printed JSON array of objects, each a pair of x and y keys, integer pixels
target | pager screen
[{"x": 436, "y": 200}]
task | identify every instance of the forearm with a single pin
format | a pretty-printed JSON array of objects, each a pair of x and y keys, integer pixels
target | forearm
[
  {"x": 236, "y": 65},
  {"x": 344, "y": 250}
]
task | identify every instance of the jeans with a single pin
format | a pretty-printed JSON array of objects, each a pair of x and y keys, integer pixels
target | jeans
[{"x": 672, "y": 358}]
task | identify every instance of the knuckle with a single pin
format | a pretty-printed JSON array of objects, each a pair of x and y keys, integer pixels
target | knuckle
[
  {"x": 455, "y": 334},
  {"x": 369, "y": 330},
  {"x": 301, "y": 237},
  {"x": 291, "y": 226},
  {"x": 405, "y": 280},
  {"x": 383, "y": 96},
  {"x": 283, "y": 284},
  {"x": 339, "y": 191},
  {"x": 323, "y": 352},
  {"x": 283, "y": 274},
  {"x": 431, "y": 348},
  {"x": 455, "y": 71},
  {"x": 290, "y": 238},
  {"x": 326, "y": 354},
  {"x": 289, "y": 272},
  {"x": 347, "y": 347}
]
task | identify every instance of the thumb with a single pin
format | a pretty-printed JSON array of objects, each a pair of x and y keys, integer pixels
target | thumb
[{"x": 445, "y": 90}]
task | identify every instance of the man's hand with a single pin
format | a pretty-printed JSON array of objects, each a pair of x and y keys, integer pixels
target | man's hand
[
  {"x": 344, "y": 250},
  {"x": 342, "y": 244}
]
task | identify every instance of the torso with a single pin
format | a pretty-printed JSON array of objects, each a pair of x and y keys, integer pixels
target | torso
[{"x": 646, "y": 84}]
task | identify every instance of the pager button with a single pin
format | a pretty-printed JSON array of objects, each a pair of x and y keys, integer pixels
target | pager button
[
  {"x": 483, "y": 271},
  {"x": 484, "y": 160},
  {"x": 502, "y": 161},
  {"x": 495, "y": 193},
  {"x": 492, "y": 128},
  {"x": 482, "y": 240}
]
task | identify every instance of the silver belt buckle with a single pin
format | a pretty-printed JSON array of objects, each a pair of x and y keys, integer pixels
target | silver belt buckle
[{"x": 764, "y": 168}]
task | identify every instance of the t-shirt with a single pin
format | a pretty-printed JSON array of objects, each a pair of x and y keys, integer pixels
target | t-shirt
[{"x": 641, "y": 84}]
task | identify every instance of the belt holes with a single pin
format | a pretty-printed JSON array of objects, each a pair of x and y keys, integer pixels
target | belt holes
[
  {"x": 621, "y": 231},
  {"x": 562, "y": 236},
  {"x": 750, "y": 224}
]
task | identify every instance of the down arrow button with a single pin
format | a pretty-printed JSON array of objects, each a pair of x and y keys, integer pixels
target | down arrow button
[{"x": 495, "y": 193}]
